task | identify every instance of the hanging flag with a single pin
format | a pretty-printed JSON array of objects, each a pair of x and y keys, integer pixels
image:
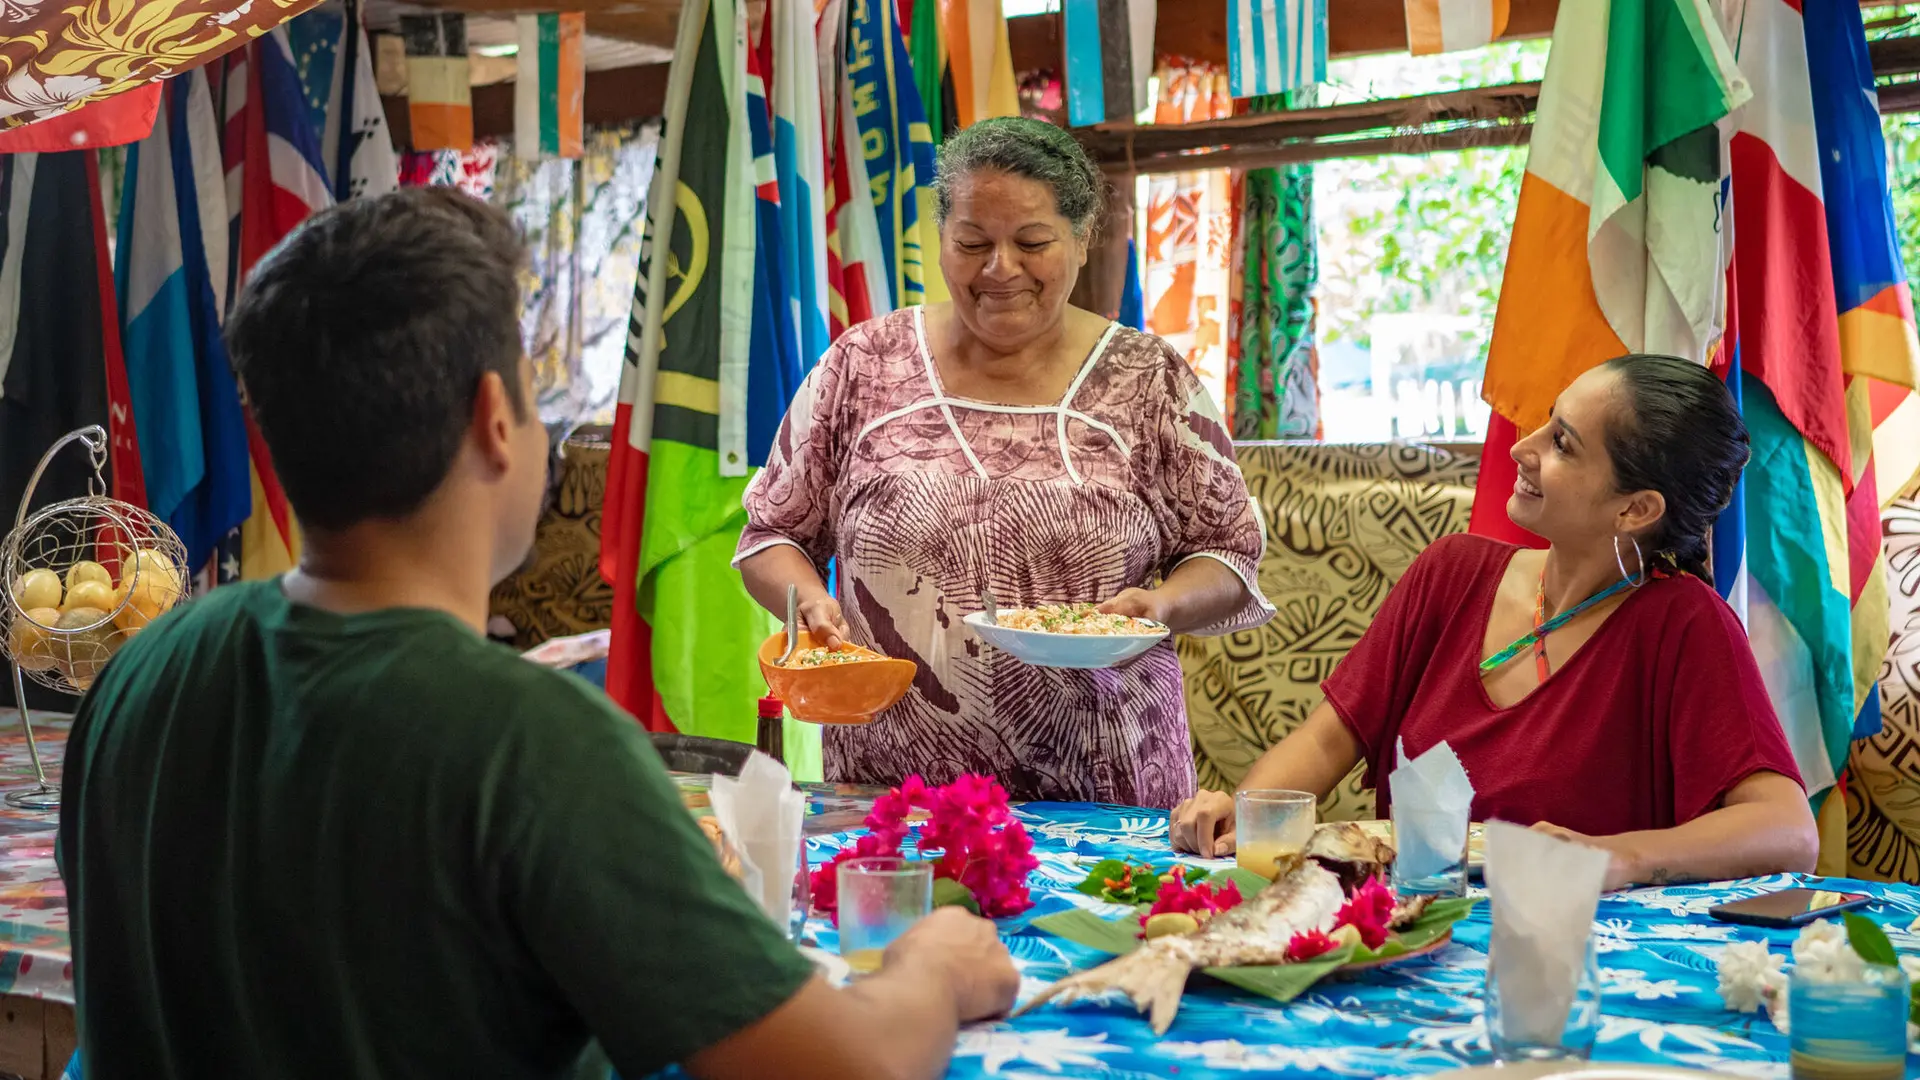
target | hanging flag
[
  {"x": 549, "y": 86},
  {"x": 774, "y": 365},
  {"x": 1821, "y": 316},
  {"x": 355, "y": 144},
  {"x": 276, "y": 178},
  {"x": 800, "y": 156},
  {"x": 315, "y": 39},
  {"x": 980, "y": 59},
  {"x": 1616, "y": 243},
  {"x": 1109, "y": 57},
  {"x": 928, "y": 51},
  {"x": 1437, "y": 26},
  {"x": 172, "y": 250},
  {"x": 859, "y": 284},
  {"x": 439, "y": 87},
  {"x": 1133, "y": 303},
  {"x": 1275, "y": 45},
  {"x": 60, "y": 361},
  {"x": 898, "y": 150}
]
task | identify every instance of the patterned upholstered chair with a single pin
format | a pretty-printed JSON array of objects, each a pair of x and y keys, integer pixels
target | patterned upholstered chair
[
  {"x": 1343, "y": 523},
  {"x": 1883, "y": 796},
  {"x": 559, "y": 592}
]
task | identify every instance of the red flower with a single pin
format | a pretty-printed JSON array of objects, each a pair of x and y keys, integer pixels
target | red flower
[
  {"x": 1180, "y": 897},
  {"x": 1368, "y": 910},
  {"x": 970, "y": 833},
  {"x": 1308, "y": 944}
]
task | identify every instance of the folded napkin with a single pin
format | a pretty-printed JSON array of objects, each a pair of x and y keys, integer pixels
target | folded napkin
[
  {"x": 761, "y": 814},
  {"x": 1432, "y": 801},
  {"x": 1545, "y": 892}
]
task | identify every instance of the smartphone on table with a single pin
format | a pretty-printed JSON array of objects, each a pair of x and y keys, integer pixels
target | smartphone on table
[{"x": 1788, "y": 908}]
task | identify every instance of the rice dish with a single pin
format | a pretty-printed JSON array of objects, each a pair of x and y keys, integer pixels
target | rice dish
[
  {"x": 1082, "y": 619},
  {"x": 812, "y": 658}
]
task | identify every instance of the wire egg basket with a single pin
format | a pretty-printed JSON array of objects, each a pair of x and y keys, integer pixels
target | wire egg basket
[{"x": 79, "y": 578}]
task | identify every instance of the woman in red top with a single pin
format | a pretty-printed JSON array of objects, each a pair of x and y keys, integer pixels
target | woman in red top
[{"x": 1634, "y": 719}]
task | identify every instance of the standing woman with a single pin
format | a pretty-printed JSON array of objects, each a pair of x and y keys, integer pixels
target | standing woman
[{"x": 1007, "y": 441}]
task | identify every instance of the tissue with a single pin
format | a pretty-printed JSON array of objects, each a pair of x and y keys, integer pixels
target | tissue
[
  {"x": 1432, "y": 802},
  {"x": 1545, "y": 892},
  {"x": 762, "y": 814}
]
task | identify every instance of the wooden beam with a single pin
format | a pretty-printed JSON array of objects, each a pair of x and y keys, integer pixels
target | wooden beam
[
  {"x": 1199, "y": 31},
  {"x": 1261, "y": 157}
]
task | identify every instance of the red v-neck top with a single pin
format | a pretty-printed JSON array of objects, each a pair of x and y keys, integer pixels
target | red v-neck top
[{"x": 1648, "y": 725}]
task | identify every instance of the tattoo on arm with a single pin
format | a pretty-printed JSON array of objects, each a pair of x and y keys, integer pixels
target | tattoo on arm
[{"x": 1663, "y": 876}]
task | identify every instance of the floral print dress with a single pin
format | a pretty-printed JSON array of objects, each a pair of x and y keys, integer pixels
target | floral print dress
[{"x": 922, "y": 501}]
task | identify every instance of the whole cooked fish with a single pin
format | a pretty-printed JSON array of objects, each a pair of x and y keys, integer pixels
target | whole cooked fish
[{"x": 1306, "y": 896}]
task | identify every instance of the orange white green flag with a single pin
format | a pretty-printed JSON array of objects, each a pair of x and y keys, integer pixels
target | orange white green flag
[{"x": 1617, "y": 244}]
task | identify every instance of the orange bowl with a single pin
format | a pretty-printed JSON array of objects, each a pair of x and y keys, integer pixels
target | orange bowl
[{"x": 834, "y": 693}]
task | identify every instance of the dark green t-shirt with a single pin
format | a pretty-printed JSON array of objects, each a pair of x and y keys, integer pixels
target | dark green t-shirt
[{"x": 299, "y": 844}]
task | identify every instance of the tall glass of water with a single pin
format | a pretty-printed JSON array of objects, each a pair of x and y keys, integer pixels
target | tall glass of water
[
  {"x": 879, "y": 897},
  {"x": 1575, "y": 1041}
]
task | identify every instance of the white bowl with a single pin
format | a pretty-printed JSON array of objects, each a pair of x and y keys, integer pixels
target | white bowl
[{"x": 1082, "y": 651}]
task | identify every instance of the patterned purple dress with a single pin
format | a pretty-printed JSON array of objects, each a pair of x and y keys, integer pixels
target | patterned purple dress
[{"x": 926, "y": 500}]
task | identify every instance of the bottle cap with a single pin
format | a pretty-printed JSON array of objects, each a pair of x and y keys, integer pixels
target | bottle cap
[{"x": 772, "y": 708}]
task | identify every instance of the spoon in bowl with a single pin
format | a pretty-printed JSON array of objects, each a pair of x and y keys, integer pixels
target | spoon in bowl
[{"x": 793, "y": 625}]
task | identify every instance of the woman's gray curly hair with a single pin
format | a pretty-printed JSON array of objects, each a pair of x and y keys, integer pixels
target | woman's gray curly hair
[{"x": 1027, "y": 148}]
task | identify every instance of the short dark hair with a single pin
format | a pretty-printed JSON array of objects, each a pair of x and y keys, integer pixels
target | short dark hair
[
  {"x": 1680, "y": 434},
  {"x": 360, "y": 343},
  {"x": 1028, "y": 148}
]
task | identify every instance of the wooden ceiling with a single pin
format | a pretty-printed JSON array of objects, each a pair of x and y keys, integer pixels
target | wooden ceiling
[{"x": 1185, "y": 28}]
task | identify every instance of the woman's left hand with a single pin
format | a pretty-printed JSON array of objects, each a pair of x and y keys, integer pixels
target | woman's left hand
[
  {"x": 1139, "y": 604},
  {"x": 1620, "y": 872}
]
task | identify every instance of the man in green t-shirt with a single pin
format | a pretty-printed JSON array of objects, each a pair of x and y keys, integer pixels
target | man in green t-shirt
[{"x": 320, "y": 827}]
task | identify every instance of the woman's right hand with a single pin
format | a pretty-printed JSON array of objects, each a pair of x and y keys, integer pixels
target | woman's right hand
[
  {"x": 1203, "y": 825},
  {"x": 822, "y": 618}
]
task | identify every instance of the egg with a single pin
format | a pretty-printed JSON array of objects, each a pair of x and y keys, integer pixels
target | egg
[
  {"x": 87, "y": 571},
  {"x": 89, "y": 594},
  {"x": 30, "y": 643},
  {"x": 37, "y": 589}
]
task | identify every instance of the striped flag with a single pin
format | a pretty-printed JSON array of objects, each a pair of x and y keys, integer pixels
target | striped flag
[
  {"x": 1109, "y": 57},
  {"x": 1277, "y": 45},
  {"x": 1437, "y": 26},
  {"x": 356, "y": 144},
  {"x": 170, "y": 276},
  {"x": 799, "y": 141},
  {"x": 549, "y": 85},
  {"x": 1825, "y": 348},
  {"x": 439, "y": 88},
  {"x": 897, "y": 146},
  {"x": 980, "y": 59},
  {"x": 688, "y": 395},
  {"x": 856, "y": 266},
  {"x": 1616, "y": 243},
  {"x": 276, "y": 178}
]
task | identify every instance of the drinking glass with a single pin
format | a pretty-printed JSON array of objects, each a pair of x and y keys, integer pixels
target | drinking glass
[
  {"x": 1575, "y": 1040},
  {"x": 1271, "y": 827},
  {"x": 880, "y": 897},
  {"x": 1435, "y": 845},
  {"x": 1855, "y": 1030}
]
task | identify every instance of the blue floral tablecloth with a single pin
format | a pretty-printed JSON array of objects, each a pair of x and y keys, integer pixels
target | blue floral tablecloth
[{"x": 1657, "y": 954}]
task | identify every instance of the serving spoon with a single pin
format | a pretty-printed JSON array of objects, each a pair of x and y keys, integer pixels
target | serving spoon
[{"x": 793, "y": 625}]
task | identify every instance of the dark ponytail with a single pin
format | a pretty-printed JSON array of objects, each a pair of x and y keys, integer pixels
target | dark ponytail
[{"x": 1678, "y": 433}]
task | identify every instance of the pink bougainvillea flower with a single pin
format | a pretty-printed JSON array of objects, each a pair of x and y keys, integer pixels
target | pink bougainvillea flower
[
  {"x": 1307, "y": 945},
  {"x": 1368, "y": 911}
]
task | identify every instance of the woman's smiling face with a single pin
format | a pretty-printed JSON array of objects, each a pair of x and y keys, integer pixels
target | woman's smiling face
[
  {"x": 1566, "y": 490},
  {"x": 1010, "y": 259}
]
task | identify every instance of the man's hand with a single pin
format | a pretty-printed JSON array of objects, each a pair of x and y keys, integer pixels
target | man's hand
[
  {"x": 1620, "y": 869},
  {"x": 1203, "y": 825},
  {"x": 967, "y": 949},
  {"x": 823, "y": 619},
  {"x": 1139, "y": 604}
]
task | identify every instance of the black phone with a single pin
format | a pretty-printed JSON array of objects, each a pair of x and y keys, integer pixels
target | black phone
[{"x": 1788, "y": 907}]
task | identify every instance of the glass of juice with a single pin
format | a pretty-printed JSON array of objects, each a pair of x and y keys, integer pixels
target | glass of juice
[
  {"x": 1271, "y": 828},
  {"x": 1856, "y": 1029},
  {"x": 880, "y": 897}
]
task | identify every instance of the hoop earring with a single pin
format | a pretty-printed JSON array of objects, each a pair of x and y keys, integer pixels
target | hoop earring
[{"x": 1639, "y": 559}]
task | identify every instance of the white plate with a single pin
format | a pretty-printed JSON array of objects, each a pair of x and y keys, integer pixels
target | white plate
[{"x": 1041, "y": 649}]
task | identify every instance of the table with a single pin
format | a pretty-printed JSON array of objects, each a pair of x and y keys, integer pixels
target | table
[
  {"x": 37, "y": 1032},
  {"x": 1657, "y": 954}
]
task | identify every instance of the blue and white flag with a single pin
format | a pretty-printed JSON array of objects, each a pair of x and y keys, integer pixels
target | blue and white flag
[{"x": 1275, "y": 45}]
